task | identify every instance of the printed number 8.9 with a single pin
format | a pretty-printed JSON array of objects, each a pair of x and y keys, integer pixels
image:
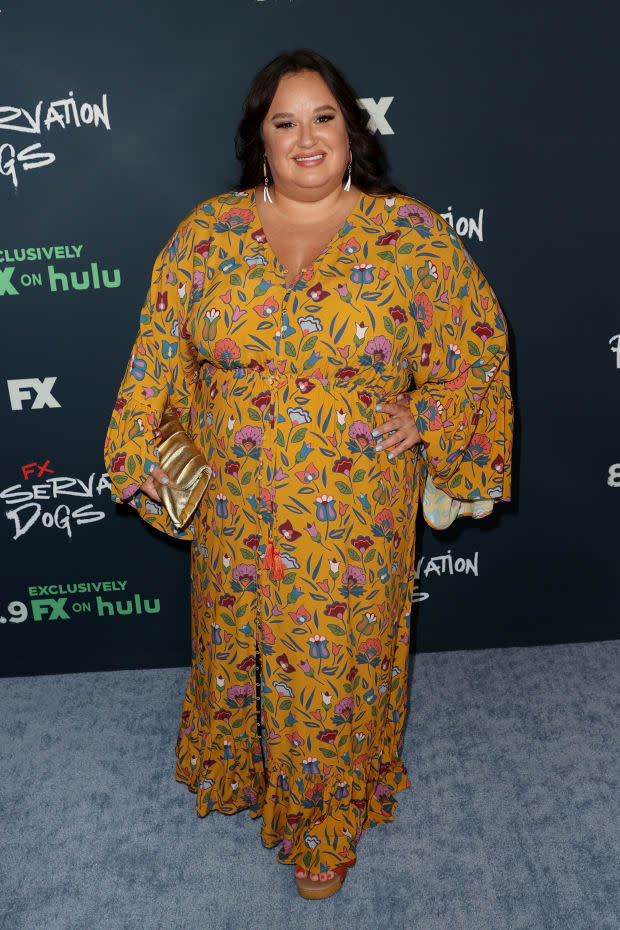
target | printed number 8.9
[{"x": 18, "y": 612}]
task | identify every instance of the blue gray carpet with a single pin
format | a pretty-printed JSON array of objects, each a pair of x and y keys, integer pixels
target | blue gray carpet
[{"x": 512, "y": 822}]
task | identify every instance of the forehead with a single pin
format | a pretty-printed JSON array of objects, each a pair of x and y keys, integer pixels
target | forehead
[{"x": 300, "y": 89}]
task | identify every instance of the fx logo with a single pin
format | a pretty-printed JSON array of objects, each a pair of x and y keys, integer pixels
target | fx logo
[
  {"x": 51, "y": 607},
  {"x": 31, "y": 467},
  {"x": 20, "y": 389},
  {"x": 377, "y": 113},
  {"x": 6, "y": 286}
]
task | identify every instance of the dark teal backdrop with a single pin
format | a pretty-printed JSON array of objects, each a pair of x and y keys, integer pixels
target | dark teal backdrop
[{"x": 502, "y": 116}]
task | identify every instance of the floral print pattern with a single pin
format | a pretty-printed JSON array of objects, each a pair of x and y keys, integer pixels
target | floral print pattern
[{"x": 303, "y": 546}]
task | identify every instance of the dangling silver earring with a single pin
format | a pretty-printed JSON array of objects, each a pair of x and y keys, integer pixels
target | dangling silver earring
[
  {"x": 347, "y": 186},
  {"x": 266, "y": 194}
]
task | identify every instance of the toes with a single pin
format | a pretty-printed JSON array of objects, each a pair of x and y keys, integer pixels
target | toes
[{"x": 314, "y": 876}]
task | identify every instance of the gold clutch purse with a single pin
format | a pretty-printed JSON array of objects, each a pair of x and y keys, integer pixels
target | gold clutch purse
[{"x": 186, "y": 468}]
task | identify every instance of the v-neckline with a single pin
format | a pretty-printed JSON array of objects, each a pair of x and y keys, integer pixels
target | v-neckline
[{"x": 313, "y": 264}]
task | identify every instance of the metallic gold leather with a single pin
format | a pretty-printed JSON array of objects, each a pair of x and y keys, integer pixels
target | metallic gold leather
[{"x": 186, "y": 468}]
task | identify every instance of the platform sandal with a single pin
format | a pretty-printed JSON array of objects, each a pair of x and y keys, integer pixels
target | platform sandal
[{"x": 327, "y": 884}]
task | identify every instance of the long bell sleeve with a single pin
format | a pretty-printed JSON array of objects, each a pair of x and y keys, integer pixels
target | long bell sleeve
[
  {"x": 462, "y": 405},
  {"x": 161, "y": 371}
]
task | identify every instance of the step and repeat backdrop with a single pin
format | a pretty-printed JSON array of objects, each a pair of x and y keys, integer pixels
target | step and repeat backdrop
[{"x": 116, "y": 120}]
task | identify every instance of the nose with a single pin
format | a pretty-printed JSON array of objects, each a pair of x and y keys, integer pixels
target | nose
[{"x": 306, "y": 134}]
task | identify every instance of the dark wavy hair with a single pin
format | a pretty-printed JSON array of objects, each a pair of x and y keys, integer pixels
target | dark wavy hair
[{"x": 369, "y": 171}]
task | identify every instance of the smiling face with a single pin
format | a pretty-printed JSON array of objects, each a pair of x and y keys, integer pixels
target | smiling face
[{"x": 305, "y": 136}]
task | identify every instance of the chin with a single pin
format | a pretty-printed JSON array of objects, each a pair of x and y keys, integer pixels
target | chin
[{"x": 305, "y": 178}]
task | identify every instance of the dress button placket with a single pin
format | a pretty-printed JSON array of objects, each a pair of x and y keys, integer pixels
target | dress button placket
[{"x": 272, "y": 559}]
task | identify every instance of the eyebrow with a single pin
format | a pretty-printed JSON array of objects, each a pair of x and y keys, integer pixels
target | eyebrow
[{"x": 326, "y": 106}]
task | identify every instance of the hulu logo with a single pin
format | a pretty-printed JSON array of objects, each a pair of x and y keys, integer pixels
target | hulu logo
[
  {"x": 83, "y": 280},
  {"x": 133, "y": 606}
]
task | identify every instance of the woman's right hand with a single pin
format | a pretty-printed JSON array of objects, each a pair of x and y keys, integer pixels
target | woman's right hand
[{"x": 150, "y": 488}]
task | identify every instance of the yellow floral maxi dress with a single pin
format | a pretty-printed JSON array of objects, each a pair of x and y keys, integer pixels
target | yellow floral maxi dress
[{"x": 303, "y": 545}]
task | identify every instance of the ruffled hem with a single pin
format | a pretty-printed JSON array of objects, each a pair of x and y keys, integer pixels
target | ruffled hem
[
  {"x": 318, "y": 822},
  {"x": 471, "y": 478},
  {"x": 129, "y": 455},
  {"x": 154, "y": 514},
  {"x": 225, "y": 773},
  {"x": 440, "y": 510}
]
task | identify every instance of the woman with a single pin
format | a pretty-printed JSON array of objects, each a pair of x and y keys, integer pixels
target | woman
[{"x": 283, "y": 324}]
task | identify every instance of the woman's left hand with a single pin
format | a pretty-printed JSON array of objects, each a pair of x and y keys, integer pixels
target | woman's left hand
[{"x": 405, "y": 433}]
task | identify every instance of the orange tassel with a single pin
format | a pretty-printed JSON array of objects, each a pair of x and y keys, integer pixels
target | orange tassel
[
  {"x": 277, "y": 572},
  {"x": 268, "y": 560}
]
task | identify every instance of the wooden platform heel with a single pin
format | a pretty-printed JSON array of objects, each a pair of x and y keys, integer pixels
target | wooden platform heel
[{"x": 327, "y": 884}]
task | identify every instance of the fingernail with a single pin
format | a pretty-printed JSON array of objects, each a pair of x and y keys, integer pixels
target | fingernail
[
  {"x": 390, "y": 455},
  {"x": 375, "y": 432},
  {"x": 378, "y": 406},
  {"x": 379, "y": 447},
  {"x": 164, "y": 481}
]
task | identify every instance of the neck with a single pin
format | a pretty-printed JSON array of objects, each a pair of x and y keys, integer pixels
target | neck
[{"x": 303, "y": 205}]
